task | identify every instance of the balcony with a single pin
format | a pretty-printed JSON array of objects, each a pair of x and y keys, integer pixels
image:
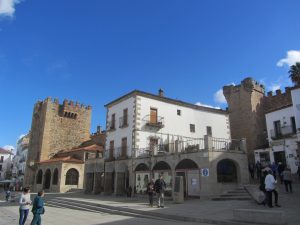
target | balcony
[
  {"x": 121, "y": 152},
  {"x": 123, "y": 122},
  {"x": 156, "y": 122},
  {"x": 111, "y": 125},
  {"x": 285, "y": 132}
]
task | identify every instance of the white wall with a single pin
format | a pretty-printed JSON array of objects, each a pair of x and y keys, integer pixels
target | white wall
[
  {"x": 6, "y": 164},
  {"x": 120, "y": 133},
  {"x": 288, "y": 145},
  {"x": 179, "y": 124},
  {"x": 284, "y": 115}
]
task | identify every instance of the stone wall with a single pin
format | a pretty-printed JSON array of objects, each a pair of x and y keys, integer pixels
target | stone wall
[
  {"x": 246, "y": 113},
  {"x": 55, "y": 127}
]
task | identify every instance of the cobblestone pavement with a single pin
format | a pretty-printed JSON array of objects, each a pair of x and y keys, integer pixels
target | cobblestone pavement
[{"x": 82, "y": 209}]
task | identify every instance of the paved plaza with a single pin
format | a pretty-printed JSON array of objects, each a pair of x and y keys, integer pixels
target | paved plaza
[{"x": 82, "y": 209}]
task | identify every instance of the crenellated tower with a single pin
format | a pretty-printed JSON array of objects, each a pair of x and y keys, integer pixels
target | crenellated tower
[
  {"x": 246, "y": 106},
  {"x": 55, "y": 127}
]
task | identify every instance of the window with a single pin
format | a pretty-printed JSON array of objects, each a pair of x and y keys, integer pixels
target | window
[
  {"x": 277, "y": 128},
  {"x": 192, "y": 128},
  {"x": 178, "y": 112},
  {"x": 39, "y": 177},
  {"x": 2, "y": 159},
  {"x": 72, "y": 177},
  {"x": 293, "y": 124},
  {"x": 208, "y": 131},
  {"x": 55, "y": 177},
  {"x": 113, "y": 121},
  {"x": 0, "y": 167},
  {"x": 153, "y": 115},
  {"x": 125, "y": 117},
  {"x": 111, "y": 149},
  {"x": 124, "y": 147}
]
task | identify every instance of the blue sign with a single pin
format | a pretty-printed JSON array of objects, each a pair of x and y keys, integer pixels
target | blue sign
[{"x": 205, "y": 172}]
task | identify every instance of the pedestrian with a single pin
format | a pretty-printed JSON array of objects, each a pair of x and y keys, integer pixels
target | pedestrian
[
  {"x": 24, "y": 203},
  {"x": 274, "y": 169},
  {"x": 262, "y": 187},
  {"x": 280, "y": 170},
  {"x": 150, "y": 190},
  {"x": 38, "y": 208},
  {"x": 7, "y": 194},
  {"x": 160, "y": 187},
  {"x": 270, "y": 183},
  {"x": 287, "y": 179},
  {"x": 251, "y": 170},
  {"x": 258, "y": 170}
]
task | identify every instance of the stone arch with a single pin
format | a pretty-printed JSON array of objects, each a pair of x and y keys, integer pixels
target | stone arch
[
  {"x": 72, "y": 177},
  {"x": 227, "y": 171},
  {"x": 142, "y": 167},
  {"x": 47, "y": 179},
  {"x": 55, "y": 177},
  {"x": 161, "y": 165},
  {"x": 186, "y": 164},
  {"x": 39, "y": 177}
]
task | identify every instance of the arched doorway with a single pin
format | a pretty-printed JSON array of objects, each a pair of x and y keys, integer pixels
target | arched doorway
[
  {"x": 162, "y": 168},
  {"x": 39, "y": 177},
  {"x": 55, "y": 177},
  {"x": 226, "y": 171},
  {"x": 189, "y": 170},
  {"x": 47, "y": 180},
  {"x": 72, "y": 177},
  {"x": 142, "y": 178}
]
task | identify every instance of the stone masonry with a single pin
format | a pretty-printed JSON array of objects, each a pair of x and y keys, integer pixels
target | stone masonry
[
  {"x": 55, "y": 127},
  {"x": 247, "y": 106}
]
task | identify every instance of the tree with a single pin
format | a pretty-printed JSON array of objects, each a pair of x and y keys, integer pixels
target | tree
[{"x": 295, "y": 73}]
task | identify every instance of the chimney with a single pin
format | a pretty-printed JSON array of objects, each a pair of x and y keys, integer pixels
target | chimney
[
  {"x": 161, "y": 92},
  {"x": 98, "y": 129}
]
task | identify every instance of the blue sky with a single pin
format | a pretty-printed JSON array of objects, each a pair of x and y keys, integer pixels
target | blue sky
[{"x": 95, "y": 51}]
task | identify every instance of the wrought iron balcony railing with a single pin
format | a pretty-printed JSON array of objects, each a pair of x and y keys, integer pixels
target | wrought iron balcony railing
[
  {"x": 284, "y": 132},
  {"x": 157, "y": 122}
]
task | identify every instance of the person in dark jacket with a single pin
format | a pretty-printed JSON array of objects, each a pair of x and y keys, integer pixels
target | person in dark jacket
[
  {"x": 38, "y": 208},
  {"x": 150, "y": 190},
  {"x": 160, "y": 187}
]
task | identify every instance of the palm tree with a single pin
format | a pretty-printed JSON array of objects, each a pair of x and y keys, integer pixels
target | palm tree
[{"x": 295, "y": 73}]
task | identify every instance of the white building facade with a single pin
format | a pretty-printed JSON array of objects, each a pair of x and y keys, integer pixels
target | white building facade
[
  {"x": 19, "y": 161},
  {"x": 5, "y": 164},
  {"x": 283, "y": 126},
  {"x": 144, "y": 132}
]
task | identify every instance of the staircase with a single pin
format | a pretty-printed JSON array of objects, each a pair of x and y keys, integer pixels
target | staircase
[{"x": 237, "y": 194}]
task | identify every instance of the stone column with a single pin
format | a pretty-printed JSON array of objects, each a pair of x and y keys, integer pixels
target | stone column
[{"x": 208, "y": 143}]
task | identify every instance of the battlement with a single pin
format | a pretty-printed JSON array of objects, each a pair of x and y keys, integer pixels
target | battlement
[
  {"x": 67, "y": 104},
  {"x": 278, "y": 100},
  {"x": 278, "y": 92},
  {"x": 248, "y": 84}
]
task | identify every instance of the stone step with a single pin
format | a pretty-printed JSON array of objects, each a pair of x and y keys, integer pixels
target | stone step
[{"x": 231, "y": 198}]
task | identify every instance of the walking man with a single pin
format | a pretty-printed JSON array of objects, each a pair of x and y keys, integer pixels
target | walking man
[
  {"x": 160, "y": 187},
  {"x": 38, "y": 208},
  {"x": 270, "y": 183},
  {"x": 287, "y": 179},
  {"x": 150, "y": 190}
]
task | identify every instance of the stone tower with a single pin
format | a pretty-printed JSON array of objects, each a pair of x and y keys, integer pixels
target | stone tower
[
  {"x": 246, "y": 113},
  {"x": 55, "y": 127}
]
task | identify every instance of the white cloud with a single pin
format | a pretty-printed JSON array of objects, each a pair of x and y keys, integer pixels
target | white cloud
[
  {"x": 208, "y": 106},
  {"x": 219, "y": 97},
  {"x": 292, "y": 57},
  {"x": 7, "y": 7},
  {"x": 279, "y": 83}
]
